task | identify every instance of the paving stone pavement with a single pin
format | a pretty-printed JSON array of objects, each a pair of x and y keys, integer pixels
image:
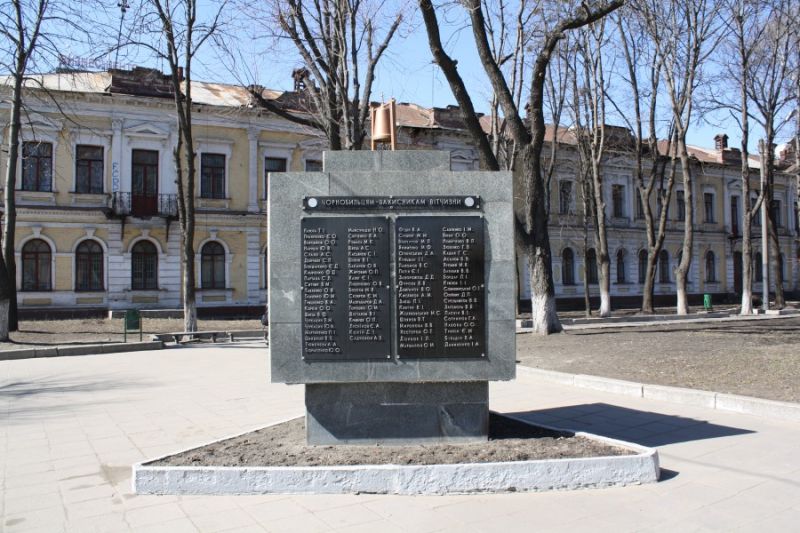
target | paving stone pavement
[{"x": 71, "y": 427}]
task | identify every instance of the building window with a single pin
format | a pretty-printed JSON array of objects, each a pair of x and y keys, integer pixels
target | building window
[
  {"x": 272, "y": 164},
  {"x": 591, "y": 267},
  {"x": 212, "y": 266},
  {"x": 642, "y": 266},
  {"x": 708, "y": 203},
  {"x": 564, "y": 197},
  {"x": 144, "y": 266},
  {"x": 212, "y": 175},
  {"x": 89, "y": 266},
  {"x": 663, "y": 267},
  {"x": 757, "y": 267},
  {"x": 37, "y": 166},
  {"x": 89, "y": 169},
  {"x": 621, "y": 267},
  {"x": 681, "y": 204},
  {"x": 711, "y": 267},
  {"x": 567, "y": 267},
  {"x": 618, "y": 200},
  {"x": 36, "y": 266},
  {"x": 735, "y": 215},
  {"x": 144, "y": 182},
  {"x": 775, "y": 213},
  {"x": 313, "y": 165}
]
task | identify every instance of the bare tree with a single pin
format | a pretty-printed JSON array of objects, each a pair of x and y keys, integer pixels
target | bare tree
[
  {"x": 770, "y": 92},
  {"x": 340, "y": 43},
  {"x": 684, "y": 33},
  {"x": 176, "y": 37},
  {"x": 528, "y": 135},
  {"x": 589, "y": 118},
  {"x": 642, "y": 76},
  {"x": 21, "y": 25}
]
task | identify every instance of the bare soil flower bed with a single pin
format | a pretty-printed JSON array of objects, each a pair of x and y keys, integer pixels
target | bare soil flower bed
[
  {"x": 284, "y": 445},
  {"x": 758, "y": 358}
]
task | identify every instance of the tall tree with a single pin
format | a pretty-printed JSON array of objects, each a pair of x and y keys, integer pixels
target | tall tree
[
  {"x": 341, "y": 43},
  {"x": 642, "y": 77},
  {"x": 176, "y": 37},
  {"x": 744, "y": 21},
  {"x": 684, "y": 34},
  {"x": 589, "y": 117},
  {"x": 770, "y": 93},
  {"x": 21, "y": 25},
  {"x": 527, "y": 133}
]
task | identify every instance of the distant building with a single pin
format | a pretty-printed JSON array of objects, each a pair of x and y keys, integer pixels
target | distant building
[{"x": 97, "y": 213}]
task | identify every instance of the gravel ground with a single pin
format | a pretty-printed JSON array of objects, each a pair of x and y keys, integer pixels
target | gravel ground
[
  {"x": 755, "y": 358},
  {"x": 40, "y": 333},
  {"x": 284, "y": 445}
]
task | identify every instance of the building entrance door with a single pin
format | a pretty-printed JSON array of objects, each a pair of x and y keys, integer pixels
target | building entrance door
[
  {"x": 144, "y": 183},
  {"x": 737, "y": 272}
]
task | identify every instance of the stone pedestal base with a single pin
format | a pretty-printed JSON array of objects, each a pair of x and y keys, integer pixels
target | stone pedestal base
[{"x": 397, "y": 413}]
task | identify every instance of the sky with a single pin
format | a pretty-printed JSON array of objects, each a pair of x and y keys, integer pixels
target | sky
[{"x": 406, "y": 71}]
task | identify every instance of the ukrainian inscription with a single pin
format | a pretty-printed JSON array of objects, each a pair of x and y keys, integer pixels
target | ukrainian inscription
[
  {"x": 440, "y": 287},
  {"x": 346, "y": 300},
  {"x": 357, "y": 203}
]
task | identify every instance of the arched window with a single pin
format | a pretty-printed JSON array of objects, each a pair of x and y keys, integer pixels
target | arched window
[
  {"x": 711, "y": 267},
  {"x": 144, "y": 266},
  {"x": 757, "y": 267},
  {"x": 36, "y": 266},
  {"x": 212, "y": 266},
  {"x": 663, "y": 267},
  {"x": 89, "y": 266},
  {"x": 567, "y": 267},
  {"x": 591, "y": 267},
  {"x": 642, "y": 266},
  {"x": 621, "y": 266}
]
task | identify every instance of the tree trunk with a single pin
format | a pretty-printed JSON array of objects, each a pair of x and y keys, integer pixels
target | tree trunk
[
  {"x": 747, "y": 261},
  {"x": 649, "y": 282},
  {"x": 10, "y": 211},
  {"x": 682, "y": 272},
  {"x": 543, "y": 299},
  {"x": 780, "y": 299}
]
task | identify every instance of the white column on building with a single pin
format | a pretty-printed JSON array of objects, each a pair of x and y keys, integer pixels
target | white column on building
[
  {"x": 116, "y": 155},
  {"x": 254, "y": 262},
  {"x": 252, "y": 137}
]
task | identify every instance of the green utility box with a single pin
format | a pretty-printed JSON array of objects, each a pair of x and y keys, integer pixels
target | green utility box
[
  {"x": 133, "y": 323},
  {"x": 707, "y": 302}
]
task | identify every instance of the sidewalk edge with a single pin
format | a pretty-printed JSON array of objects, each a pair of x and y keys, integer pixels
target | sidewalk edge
[{"x": 719, "y": 401}]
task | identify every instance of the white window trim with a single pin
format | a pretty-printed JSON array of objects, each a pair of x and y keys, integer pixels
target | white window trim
[
  {"x": 198, "y": 262},
  {"x": 98, "y": 240},
  {"x": 78, "y": 138},
  {"x": 273, "y": 149},
  {"x": 216, "y": 146},
  {"x": 571, "y": 208},
  {"x": 53, "y": 252}
]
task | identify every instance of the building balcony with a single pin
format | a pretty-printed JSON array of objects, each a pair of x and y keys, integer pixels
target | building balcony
[{"x": 144, "y": 206}]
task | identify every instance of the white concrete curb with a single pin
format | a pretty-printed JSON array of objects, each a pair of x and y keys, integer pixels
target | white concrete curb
[
  {"x": 700, "y": 398},
  {"x": 552, "y": 474}
]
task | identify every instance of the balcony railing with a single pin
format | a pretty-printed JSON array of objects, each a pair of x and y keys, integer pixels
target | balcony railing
[{"x": 129, "y": 204}]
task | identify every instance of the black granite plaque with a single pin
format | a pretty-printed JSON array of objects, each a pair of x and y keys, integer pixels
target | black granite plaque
[
  {"x": 440, "y": 287},
  {"x": 346, "y": 301}
]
